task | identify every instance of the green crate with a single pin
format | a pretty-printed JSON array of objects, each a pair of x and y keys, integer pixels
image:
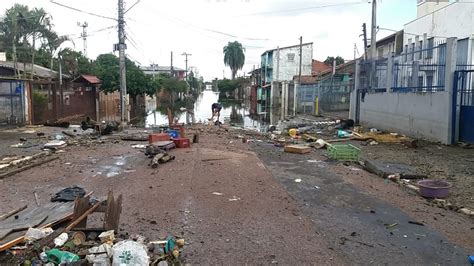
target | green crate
[{"x": 343, "y": 152}]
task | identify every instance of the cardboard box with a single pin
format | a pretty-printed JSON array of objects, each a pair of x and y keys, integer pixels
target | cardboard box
[{"x": 298, "y": 149}]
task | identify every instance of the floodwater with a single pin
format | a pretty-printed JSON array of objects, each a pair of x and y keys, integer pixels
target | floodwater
[{"x": 232, "y": 113}]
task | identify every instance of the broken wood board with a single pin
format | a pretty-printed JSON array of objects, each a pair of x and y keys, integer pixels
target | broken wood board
[
  {"x": 384, "y": 170},
  {"x": 56, "y": 212},
  {"x": 28, "y": 166},
  {"x": 298, "y": 149},
  {"x": 380, "y": 138}
]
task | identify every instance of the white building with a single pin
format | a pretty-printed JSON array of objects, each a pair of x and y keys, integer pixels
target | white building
[{"x": 438, "y": 20}]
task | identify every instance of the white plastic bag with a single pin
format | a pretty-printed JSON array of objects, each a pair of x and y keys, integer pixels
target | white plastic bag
[{"x": 129, "y": 252}]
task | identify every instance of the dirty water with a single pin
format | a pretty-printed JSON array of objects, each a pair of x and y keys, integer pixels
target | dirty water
[{"x": 233, "y": 113}]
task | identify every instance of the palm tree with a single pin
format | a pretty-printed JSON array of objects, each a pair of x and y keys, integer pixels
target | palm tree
[
  {"x": 38, "y": 26},
  {"x": 234, "y": 56}
]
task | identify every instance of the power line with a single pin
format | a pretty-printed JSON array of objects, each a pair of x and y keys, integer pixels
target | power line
[
  {"x": 81, "y": 11},
  {"x": 300, "y": 9},
  {"x": 138, "y": 1}
]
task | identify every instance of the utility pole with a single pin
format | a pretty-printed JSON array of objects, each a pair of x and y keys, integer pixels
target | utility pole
[
  {"x": 171, "y": 67},
  {"x": 373, "y": 44},
  {"x": 186, "y": 60},
  {"x": 364, "y": 33},
  {"x": 373, "y": 37},
  {"x": 301, "y": 59},
  {"x": 123, "y": 73},
  {"x": 84, "y": 35}
]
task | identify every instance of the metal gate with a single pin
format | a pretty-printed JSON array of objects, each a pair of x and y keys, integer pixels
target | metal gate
[
  {"x": 11, "y": 103},
  {"x": 463, "y": 97}
]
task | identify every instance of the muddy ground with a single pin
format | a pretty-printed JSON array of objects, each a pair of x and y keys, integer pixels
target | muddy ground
[{"x": 237, "y": 203}]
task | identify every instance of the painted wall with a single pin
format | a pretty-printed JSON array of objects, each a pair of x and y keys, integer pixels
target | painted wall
[
  {"x": 454, "y": 20},
  {"x": 426, "y": 7},
  {"x": 421, "y": 115},
  {"x": 288, "y": 65}
]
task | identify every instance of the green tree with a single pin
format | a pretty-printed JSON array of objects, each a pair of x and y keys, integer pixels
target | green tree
[
  {"x": 234, "y": 56},
  {"x": 330, "y": 59},
  {"x": 106, "y": 67}
]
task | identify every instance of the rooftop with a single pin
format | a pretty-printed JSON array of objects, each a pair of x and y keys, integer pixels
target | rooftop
[
  {"x": 287, "y": 47},
  {"x": 38, "y": 71}
]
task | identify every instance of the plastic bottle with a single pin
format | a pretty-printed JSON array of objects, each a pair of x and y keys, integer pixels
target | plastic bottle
[
  {"x": 57, "y": 256},
  {"x": 61, "y": 239}
]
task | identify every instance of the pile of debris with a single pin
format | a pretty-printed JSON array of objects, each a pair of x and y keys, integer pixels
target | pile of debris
[{"x": 57, "y": 234}]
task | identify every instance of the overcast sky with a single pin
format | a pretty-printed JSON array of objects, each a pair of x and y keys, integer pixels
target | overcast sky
[{"x": 203, "y": 27}]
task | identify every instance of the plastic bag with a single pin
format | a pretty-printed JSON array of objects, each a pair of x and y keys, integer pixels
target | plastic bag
[{"x": 130, "y": 253}]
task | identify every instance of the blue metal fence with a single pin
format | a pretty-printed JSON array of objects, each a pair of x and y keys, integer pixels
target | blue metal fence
[{"x": 417, "y": 69}]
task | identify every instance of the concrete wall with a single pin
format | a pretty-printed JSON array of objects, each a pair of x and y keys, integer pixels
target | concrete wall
[
  {"x": 454, "y": 20},
  {"x": 425, "y": 7},
  {"x": 421, "y": 115},
  {"x": 288, "y": 65}
]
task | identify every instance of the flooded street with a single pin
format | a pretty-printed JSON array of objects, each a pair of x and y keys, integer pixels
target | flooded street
[{"x": 235, "y": 113}]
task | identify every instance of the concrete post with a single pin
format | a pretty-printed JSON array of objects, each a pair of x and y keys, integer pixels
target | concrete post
[
  {"x": 451, "y": 49},
  {"x": 414, "y": 74},
  {"x": 353, "y": 98},
  {"x": 389, "y": 83}
]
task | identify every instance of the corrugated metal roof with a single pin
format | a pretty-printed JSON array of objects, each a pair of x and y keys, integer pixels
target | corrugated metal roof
[
  {"x": 38, "y": 71},
  {"x": 92, "y": 79}
]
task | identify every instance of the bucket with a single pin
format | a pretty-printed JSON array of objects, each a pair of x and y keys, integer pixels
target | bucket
[{"x": 434, "y": 188}]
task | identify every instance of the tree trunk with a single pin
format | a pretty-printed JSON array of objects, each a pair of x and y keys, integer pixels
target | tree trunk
[
  {"x": 234, "y": 72},
  {"x": 33, "y": 54}
]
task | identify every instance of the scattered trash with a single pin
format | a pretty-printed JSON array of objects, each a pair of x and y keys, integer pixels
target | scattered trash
[
  {"x": 293, "y": 132},
  {"x": 57, "y": 256},
  {"x": 434, "y": 188},
  {"x": 373, "y": 143},
  {"x": 298, "y": 180},
  {"x": 139, "y": 146},
  {"x": 217, "y": 193},
  {"x": 471, "y": 259},
  {"x": 316, "y": 187},
  {"x": 61, "y": 239},
  {"x": 234, "y": 198},
  {"x": 129, "y": 252},
  {"x": 343, "y": 134},
  {"x": 69, "y": 194},
  {"x": 416, "y": 223},
  {"x": 388, "y": 226},
  {"x": 34, "y": 234},
  {"x": 55, "y": 144},
  {"x": 298, "y": 149},
  {"x": 107, "y": 237}
]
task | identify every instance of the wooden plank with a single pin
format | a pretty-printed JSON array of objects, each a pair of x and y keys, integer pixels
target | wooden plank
[
  {"x": 22, "y": 226},
  {"x": 26, "y": 167},
  {"x": 57, "y": 213},
  {"x": 81, "y": 205},
  {"x": 82, "y": 217},
  {"x": 11, "y": 213},
  {"x": 298, "y": 149}
]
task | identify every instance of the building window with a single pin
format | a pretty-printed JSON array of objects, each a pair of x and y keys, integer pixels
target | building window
[
  {"x": 291, "y": 57},
  {"x": 412, "y": 56},
  {"x": 430, "y": 46}
]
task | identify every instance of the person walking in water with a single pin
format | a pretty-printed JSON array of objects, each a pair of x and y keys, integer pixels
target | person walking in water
[{"x": 216, "y": 111}]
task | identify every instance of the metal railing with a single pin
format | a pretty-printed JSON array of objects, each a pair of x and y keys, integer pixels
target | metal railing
[{"x": 414, "y": 70}]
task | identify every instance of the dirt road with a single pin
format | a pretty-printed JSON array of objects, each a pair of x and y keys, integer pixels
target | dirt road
[{"x": 237, "y": 203}]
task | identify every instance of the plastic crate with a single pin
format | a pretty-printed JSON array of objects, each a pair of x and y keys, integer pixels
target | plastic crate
[
  {"x": 182, "y": 142},
  {"x": 174, "y": 134},
  {"x": 155, "y": 137},
  {"x": 343, "y": 152}
]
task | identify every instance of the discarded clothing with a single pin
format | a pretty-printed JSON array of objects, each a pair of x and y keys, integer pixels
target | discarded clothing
[{"x": 69, "y": 194}]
